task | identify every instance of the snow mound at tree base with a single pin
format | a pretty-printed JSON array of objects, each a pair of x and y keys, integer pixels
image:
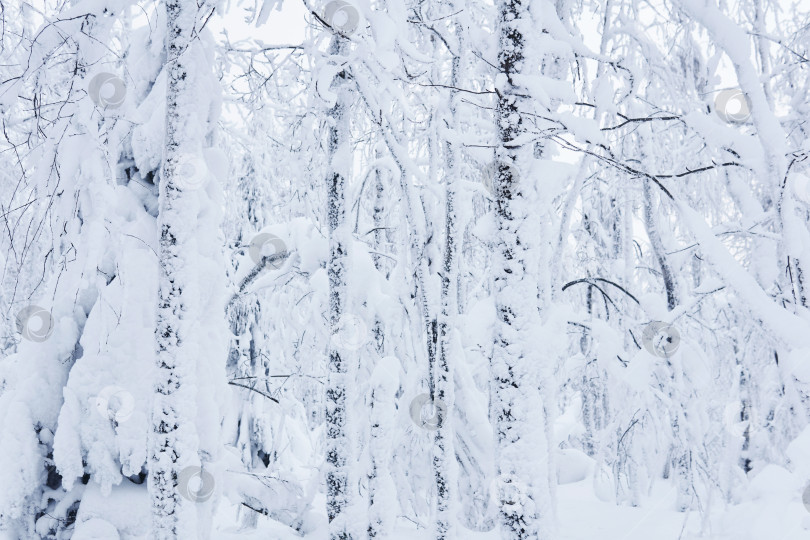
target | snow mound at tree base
[{"x": 124, "y": 513}]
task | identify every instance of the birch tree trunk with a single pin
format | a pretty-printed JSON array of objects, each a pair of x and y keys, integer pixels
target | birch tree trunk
[
  {"x": 444, "y": 453},
  {"x": 658, "y": 249},
  {"x": 515, "y": 402},
  {"x": 337, "y": 443},
  {"x": 174, "y": 441},
  {"x": 444, "y": 449},
  {"x": 382, "y": 492}
]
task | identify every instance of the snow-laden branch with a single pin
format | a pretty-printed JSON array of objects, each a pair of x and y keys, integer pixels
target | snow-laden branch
[{"x": 254, "y": 274}]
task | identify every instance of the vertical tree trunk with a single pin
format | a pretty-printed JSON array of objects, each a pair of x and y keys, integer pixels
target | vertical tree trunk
[
  {"x": 681, "y": 455},
  {"x": 381, "y": 235},
  {"x": 337, "y": 443},
  {"x": 382, "y": 403},
  {"x": 173, "y": 440},
  {"x": 444, "y": 449},
  {"x": 515, "y": 401},
  {"x": 443, "y": 452},
  {"x": 659, "y": 252},
  {"x": 382, "y": 492}
]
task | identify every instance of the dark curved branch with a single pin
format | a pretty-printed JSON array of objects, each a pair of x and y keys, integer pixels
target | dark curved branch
[
  {"x": 605, "y": 297},
  {"x": 636, "y": 120},
  {"x": 591, "y": 280},
  {"x": 246, "y": 387},
  {"x": 253, "y": 274}
]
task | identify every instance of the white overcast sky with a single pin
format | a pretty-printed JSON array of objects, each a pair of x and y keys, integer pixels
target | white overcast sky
[{"x": 282, "y": 27}]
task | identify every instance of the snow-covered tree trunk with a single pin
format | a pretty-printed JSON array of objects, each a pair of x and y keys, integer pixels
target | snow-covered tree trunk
[
  {"x": 443, "y": 452},
  {"x": 517, "y": 409},
  {"x": 658, "y": 249},
  {"x": 337, "y": 440},
  {"x": 381, "y": 487},
  {"x": 444, "y": 458},
  {"x": 381, "y": 231},
  {"x": 174, "y": 443},
  {"x": 381, "y": 499}
]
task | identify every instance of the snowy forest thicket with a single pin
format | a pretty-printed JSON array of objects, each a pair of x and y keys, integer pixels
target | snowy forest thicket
[{"x": 405, "y": 269}]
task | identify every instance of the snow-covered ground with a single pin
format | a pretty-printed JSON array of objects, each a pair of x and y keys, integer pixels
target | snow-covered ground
[
  {"x": 774, "y": 512},
  {"x": 772, "y": 509}
]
